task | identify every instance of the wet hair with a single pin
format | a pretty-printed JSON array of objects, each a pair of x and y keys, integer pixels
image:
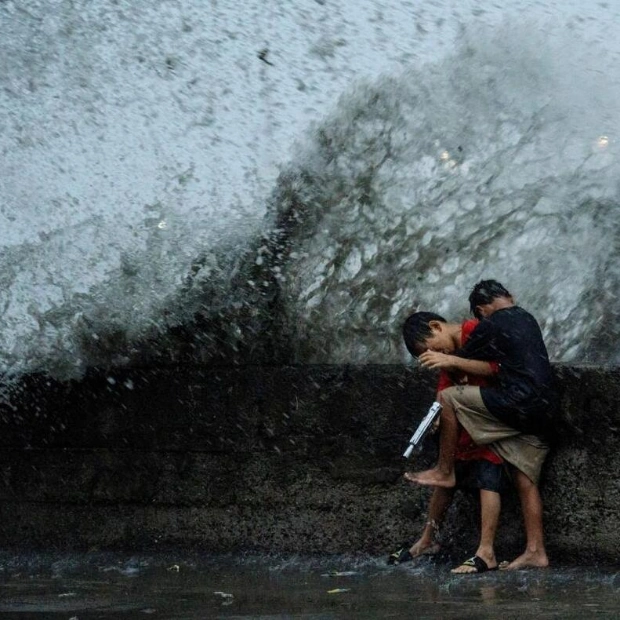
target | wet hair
[
  {"x": 416, "y": 329},
  {"x": 484, "y": 293}
]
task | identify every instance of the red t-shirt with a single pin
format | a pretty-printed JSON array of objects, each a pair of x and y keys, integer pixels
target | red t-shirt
[{"x": 466, "y": 449}]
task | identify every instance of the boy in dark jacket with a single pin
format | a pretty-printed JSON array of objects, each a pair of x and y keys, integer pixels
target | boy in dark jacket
[{"x": 513, "y": 416}]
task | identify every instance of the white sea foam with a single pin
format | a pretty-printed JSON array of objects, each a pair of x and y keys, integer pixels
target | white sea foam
[
  {"x": 137, "y": 136},
  {"x": 540, "y": 189}
]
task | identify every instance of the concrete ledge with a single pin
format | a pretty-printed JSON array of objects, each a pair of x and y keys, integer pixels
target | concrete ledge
[{"x": 292, "y": 459}]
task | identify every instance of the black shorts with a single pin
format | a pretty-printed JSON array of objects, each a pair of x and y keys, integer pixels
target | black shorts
[{"x": 482, "y": 475}]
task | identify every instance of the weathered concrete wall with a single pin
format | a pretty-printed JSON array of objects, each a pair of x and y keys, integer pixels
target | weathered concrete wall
[{"x": 291, "y": 459}]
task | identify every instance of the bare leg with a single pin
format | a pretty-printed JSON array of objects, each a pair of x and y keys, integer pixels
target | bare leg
[
  {"x": 535, "y": 555},
  {"x": 443, "y": 473},
  {"x": 490, "y": 507},
  {"x": 440, "y": 502}
]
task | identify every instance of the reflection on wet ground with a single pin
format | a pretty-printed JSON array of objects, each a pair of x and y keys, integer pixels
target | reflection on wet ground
[{"x": 194, "y": 586}]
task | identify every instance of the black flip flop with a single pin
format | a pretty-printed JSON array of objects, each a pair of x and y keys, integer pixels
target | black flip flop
[
  {"x": 400, "y": 556},
  {"x": 475, "y": 562}
]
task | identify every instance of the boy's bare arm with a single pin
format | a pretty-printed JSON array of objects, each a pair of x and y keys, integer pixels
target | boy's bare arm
[{"x": 435, "y": 359}]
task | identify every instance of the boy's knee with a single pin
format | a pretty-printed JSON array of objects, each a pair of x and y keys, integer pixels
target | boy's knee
[
  {"x": 460, "y": 396},
  {"x": 441, "y": 399},
  {"x": 450, "y": 396},
  {"x": 446, "y": 396}
]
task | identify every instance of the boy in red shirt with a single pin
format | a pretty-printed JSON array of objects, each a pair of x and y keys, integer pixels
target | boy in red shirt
[{"x": 477, "y": 466}]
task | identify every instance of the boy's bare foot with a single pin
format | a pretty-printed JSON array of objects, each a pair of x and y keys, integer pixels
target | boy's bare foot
[
  {"x": 424, "y": 548},
  {"x": 431, "y": 478},
  {"x": 529, "y": 559}
]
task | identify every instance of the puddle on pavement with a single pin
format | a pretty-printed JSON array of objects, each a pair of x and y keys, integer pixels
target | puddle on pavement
[{"x": 192, "y": 586}]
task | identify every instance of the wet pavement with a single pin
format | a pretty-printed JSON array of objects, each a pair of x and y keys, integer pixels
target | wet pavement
[{"x": 192, "y": 586}]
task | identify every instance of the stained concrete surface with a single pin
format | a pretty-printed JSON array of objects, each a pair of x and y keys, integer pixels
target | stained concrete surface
[{"x": 301, "y": 459}]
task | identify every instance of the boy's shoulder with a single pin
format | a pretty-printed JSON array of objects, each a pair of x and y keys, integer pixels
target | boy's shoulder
[{"x": 513, "y": 314}]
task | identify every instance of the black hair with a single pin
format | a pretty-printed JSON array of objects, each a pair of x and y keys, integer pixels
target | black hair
[
  {"x": 416, "y": 329},
  {"x": 484, "y": 293}
]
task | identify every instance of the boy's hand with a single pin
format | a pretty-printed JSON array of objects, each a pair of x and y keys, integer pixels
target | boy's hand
[{"x": 435, "y": 359}]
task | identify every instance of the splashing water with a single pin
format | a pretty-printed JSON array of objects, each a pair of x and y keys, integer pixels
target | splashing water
[
  {"x": 496, "y": 159},
  {"x": 496, "y": 162}
]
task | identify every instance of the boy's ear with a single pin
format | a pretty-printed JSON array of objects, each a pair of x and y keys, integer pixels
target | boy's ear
[{"x": 436, "y": 325}]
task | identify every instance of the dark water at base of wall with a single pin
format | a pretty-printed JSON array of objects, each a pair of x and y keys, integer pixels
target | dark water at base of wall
[{"x": 98, "y": 585}]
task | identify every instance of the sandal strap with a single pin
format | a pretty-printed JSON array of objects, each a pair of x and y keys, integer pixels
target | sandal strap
[{"x": 478, "y": 563}]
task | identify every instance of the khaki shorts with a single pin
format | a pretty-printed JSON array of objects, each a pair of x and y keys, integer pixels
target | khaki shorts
[{"x": 526, "y": 452}]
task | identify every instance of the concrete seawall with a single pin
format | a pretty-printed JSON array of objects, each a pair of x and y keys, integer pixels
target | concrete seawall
[{"x": 289, "y": 459}]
